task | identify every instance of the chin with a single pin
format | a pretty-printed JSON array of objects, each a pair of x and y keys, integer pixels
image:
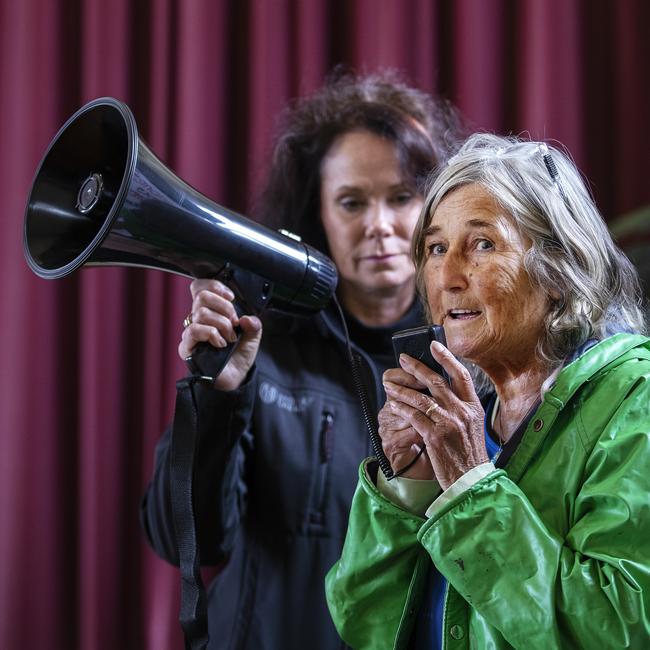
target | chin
[
  {"x": 460, "y": 346},
  {"x": 389, "y": 280}
]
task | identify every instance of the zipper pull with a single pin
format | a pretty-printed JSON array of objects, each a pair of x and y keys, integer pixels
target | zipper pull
[{"x": 326, "y": 437}]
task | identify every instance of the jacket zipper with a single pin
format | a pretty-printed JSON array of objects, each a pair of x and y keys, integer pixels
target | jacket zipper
[
  {"x": 325, "y": 444},
  {"x": 338, "y": 334}
]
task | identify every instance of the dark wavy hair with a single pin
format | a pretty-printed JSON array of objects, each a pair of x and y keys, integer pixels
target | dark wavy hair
[{"x": 425, "y": 132}]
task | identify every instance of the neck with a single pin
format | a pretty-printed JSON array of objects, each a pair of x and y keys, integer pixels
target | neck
[
  {"x": 377, "y": 308},
  {"x": 517, "y": 395}
]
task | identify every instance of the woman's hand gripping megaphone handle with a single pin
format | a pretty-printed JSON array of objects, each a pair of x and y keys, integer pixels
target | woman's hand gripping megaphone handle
[
  {"x": 252, "y": 294},
  {"x": 207, "y": 362}
]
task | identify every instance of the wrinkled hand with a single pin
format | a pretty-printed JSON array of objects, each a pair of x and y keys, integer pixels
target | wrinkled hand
[
  {"x": 449, "y": 419},
  {"x": 400, "y": 440},
  {"x": 213, "y": 321}
]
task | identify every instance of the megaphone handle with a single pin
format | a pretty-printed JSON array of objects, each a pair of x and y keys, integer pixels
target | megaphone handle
[
  {"x": 207, "y": 361},
  {"x": 252, "y": 294}
]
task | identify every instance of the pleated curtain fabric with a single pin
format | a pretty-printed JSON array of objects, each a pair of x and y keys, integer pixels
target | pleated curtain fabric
[{"x": 88, "y": 363}]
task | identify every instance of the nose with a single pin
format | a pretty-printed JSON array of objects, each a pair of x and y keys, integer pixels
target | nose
[
  {"x": 453, "y": 272},
  {"x": 379, "y": 221}
]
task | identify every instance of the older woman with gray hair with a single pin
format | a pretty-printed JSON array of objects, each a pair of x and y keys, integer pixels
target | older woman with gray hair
[{"x": 526, "y": 521}]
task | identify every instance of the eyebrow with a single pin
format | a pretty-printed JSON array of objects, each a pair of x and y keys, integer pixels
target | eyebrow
[
  {"x": 405, "y": 184},
  {"x": 472, "y": 223}
]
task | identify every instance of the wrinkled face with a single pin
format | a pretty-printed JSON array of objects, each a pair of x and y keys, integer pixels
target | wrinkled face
[
  {"x": 476, "y": 283},
  {"x": 368, "y": 212}
]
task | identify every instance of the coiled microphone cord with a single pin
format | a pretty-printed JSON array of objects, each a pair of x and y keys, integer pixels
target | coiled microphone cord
[{"x": 369, "y": 416}]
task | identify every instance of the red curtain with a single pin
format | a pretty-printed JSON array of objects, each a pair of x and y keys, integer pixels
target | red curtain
[{"x": 89, "y": 361}]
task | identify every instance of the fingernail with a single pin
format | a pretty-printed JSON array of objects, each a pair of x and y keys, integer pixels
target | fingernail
[{"x": 219, "y": 341}]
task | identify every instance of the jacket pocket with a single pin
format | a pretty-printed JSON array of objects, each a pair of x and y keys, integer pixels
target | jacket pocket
[{"x": 322, "y": 473}]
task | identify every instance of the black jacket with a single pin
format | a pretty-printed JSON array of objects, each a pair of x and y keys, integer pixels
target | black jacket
[{"x": 277, "y": 468}]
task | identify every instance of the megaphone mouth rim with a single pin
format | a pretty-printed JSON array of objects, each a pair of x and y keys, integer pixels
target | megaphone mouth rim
[{"x": 131, "y": 161}]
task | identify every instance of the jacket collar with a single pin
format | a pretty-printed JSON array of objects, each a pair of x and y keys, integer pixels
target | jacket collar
[
  {"x": 603, "y": 356},
  {"x": 329, "y": 321}
]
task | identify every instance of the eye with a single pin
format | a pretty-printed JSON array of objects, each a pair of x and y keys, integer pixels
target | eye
[
  {"x": 484, "y": 245},
  {"x": 402, "y": 198},
  {"x": 436, "y": 249},
  {"x": 351, "y": 204}
]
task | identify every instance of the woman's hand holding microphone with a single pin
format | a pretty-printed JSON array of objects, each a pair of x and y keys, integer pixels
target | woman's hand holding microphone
[{"x": 448, "y": 420}]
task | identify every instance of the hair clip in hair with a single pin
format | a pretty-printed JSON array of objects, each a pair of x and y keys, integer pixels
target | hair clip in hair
[{"x": 552, "y": 169}]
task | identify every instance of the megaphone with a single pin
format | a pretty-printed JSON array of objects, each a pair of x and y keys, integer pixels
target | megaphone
[{"x": 100, "y": 196}]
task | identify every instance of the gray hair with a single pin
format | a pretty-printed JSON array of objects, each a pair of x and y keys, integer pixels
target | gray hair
[{"x": 592, "y": 287}]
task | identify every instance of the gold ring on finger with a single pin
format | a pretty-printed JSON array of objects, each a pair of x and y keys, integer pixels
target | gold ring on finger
[
  {"x": 433, "y": 407},
  {"x": 187, "y": 321}
]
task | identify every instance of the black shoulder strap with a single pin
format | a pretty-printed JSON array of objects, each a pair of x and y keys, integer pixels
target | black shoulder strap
[{"x": 185, "y": 438}]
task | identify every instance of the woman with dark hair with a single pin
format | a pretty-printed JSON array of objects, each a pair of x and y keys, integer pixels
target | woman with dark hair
[
  {"x": 526, "y": 522},
  {"x": 281, "y": 428}
]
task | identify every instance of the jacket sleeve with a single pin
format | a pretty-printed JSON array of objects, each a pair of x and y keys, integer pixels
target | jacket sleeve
[
  {"x": 588, "y": 588},
  {"x": 219, "y": 486},
  {"x": 381, "y": 570}
]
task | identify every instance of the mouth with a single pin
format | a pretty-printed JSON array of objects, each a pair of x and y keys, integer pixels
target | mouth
[
  {"x": 380, "y": 257},
  {"x": 462, "y": 314}
]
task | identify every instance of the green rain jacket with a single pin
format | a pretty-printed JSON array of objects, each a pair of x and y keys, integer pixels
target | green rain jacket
[{"x": 553, "y": 552}]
